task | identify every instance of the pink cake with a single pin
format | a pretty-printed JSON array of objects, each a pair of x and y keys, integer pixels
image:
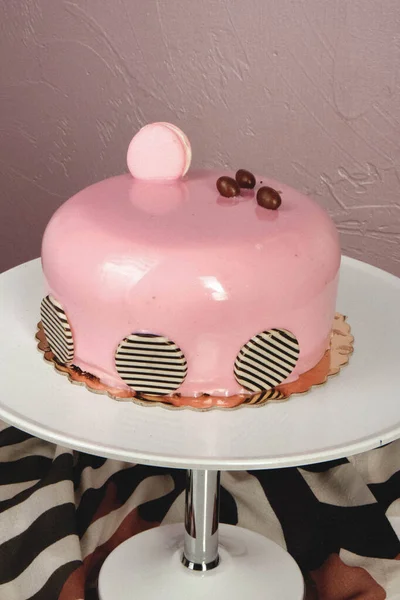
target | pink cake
[{"x": 163, "y": 286}]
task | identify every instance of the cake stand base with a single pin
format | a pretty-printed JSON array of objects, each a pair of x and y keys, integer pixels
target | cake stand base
[{"x": 149, "y": 566}]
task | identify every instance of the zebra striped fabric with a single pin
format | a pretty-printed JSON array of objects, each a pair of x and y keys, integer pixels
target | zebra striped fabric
[
  {"x": 57, "y": 329},
  {"x": 266, "y": 360},
  {"x": 150, "y": 363},
  {"x": 62, "y": 512}
]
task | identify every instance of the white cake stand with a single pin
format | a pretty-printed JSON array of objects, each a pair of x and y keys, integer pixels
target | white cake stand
[{"x": 356, "y": 411}]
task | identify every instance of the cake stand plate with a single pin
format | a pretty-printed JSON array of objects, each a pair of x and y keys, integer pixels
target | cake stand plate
[
  {"x": 354, "y": 411},
  {"x": 251, "y": 566}
]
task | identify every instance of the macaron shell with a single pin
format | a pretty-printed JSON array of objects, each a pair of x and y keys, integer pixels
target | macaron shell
[
  {"x": 159, "y": 151},
  {"x": 185, "y": 141}
]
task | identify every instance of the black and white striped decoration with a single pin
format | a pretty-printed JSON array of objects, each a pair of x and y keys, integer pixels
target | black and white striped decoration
[
  {"x": 57, "y": 330},
  {"x": 151, "y": 364},
  {"x": 264, "y": 396},
  {"x": 266, "y": 360}
]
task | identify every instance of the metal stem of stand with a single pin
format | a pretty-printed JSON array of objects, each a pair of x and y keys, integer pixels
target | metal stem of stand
[{"x": 200, "y": 551}]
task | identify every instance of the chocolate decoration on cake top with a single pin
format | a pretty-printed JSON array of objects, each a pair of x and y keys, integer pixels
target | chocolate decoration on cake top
[
  {"x": 228, "y": 187},
  {"x": 269, "y": 198},
  {"x": 245, "y": 179}
]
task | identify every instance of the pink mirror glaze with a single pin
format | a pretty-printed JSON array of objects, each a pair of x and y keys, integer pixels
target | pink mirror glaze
[{"x": 175, "y": 259}]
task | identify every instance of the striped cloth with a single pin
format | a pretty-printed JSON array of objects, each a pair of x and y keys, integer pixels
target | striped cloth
[{"x": 62, "y": 512}]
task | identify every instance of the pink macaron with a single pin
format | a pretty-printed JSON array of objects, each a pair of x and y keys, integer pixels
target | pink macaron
[{"x": 159, "y": 151}]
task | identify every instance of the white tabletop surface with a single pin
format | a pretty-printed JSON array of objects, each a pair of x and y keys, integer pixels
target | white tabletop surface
[{"x": 356, "y": 411}]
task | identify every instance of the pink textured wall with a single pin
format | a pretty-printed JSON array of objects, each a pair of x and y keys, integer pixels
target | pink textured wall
[{"x": 304, "y": 91}]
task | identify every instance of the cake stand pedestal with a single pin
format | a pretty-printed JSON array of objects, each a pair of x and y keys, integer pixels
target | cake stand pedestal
[
  {"x": 177, "y": 562},
  {"x": 354, "y": 412}
]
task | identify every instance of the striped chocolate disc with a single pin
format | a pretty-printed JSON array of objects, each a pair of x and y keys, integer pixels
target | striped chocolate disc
[
  {"x": 266, "y": 360},
  {"x": 57, "y": 330},
  {"x": 264, "y": 396},
  {"x": 151, "y": 364}
]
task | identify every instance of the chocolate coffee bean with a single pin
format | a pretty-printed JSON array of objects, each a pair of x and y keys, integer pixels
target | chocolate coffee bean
[
  {"x": 269, "y": 198},
  {"x": 228, "y": 187},
  {"x": 245, "y": 179}
]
